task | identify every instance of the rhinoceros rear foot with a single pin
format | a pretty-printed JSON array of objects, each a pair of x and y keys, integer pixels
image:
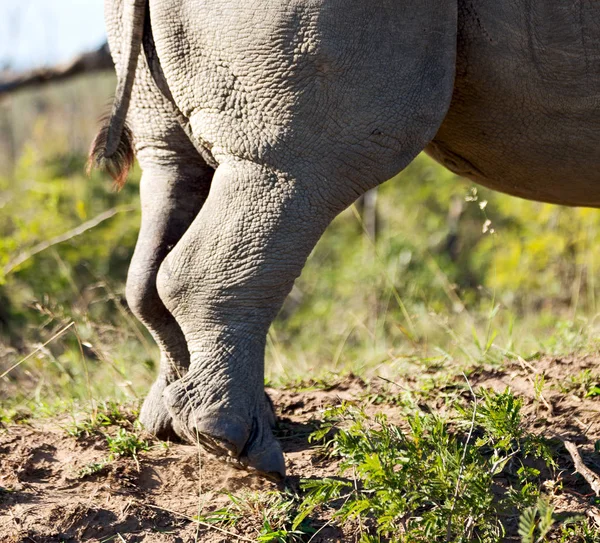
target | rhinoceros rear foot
[
  {"x": 240, "y": 436},
  {"x": 154, "y": 414}
]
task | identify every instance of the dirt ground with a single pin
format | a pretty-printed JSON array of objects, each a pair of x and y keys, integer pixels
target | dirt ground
[{"x": 44, "y": 499}]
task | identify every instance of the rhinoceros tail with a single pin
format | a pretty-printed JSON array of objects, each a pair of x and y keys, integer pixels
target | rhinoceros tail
[
  {"x": 112, "y": 149},
  {"x": 118, "y": 164}
]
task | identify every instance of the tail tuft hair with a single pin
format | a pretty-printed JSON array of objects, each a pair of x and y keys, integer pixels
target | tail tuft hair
[{"x": 118, "y": 164}]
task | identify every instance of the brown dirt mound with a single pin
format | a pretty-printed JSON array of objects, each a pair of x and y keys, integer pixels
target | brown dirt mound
[{"x": 44, "y": 498}]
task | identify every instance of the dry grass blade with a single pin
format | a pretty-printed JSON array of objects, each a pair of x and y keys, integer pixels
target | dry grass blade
[
  {"x": 238, "y": 537},
  {"x": 462, "y": 461},
  {"x": 58, "y": 334},
  {"x": 594, "y": 516},
  {"x": 84, "y": 227}
]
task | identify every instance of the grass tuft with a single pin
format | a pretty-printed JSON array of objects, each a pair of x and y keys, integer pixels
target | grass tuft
[{"x": 108, "y": 413}]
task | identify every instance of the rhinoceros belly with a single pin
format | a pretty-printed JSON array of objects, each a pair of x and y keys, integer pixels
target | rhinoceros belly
[{"x": 525, "y": 114}]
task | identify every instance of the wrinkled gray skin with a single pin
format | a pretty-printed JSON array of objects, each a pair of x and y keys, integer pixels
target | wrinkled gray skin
[{"x": 257, "y": 122}]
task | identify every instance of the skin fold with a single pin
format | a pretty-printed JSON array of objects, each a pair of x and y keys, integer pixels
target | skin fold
[{"x": 256, "y": 123}]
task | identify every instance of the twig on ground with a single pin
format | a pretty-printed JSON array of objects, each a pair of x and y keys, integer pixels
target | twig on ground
[
  {"x": 594, "y": 516},
  {"x": 394, "y": 383},
  {"x": 593, "y": 479}
]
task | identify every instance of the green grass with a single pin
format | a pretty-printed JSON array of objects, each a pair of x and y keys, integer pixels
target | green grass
[
  {"x": 579, "y": 530},
  {"x": 108, "y": 413},
  {"x": 122, "y": 434},
  {"x": 123, "y": 443},
  {"x": 585, "y": 384},
  {"x": 126, "y": 444},
  {"x": 92, "y": 469}
]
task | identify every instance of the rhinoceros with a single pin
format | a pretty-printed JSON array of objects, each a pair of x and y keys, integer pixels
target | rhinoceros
[{"x": 257, "y": 122}]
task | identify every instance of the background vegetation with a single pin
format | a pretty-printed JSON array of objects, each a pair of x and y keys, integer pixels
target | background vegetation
[{"x": 456, "y": 274}]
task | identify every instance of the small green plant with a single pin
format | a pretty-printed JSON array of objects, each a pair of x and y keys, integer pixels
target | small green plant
[
  {"x": 106, "y": 414},
  {"x": 584, "y": 384},
  {"x": 91, "y": 469},
  {"x": 437, "y": 479},
  {"x": 13, "y": 416},
  {"x": 579, "y": 530},
  {"x": 274, "y": 512},
  {"x": 535, "y": 522},
  {"x": 227, "y": 516},
  {"x": 126, "y": 444},
  {"x": 538, "y": 387}
]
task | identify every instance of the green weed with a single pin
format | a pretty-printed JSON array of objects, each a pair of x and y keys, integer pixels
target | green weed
[
  {"x": 535, "y": 522},
  {"x": 436, "y": 479},
  {"x": 585, "y": 384},
  {"x": 126, "y": 444},
  {"x": 92, "y": 469},
  {"x": 108, "y": 413},
  {"x": 274, "y": 512},
  {"x": 14, "y": 416},
  {"x": 579, "y": 530}
]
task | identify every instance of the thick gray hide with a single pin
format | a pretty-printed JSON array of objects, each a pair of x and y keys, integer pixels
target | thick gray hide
[
  {"x": 525, "y": 115},
  {"x": 256, "y": 123}
]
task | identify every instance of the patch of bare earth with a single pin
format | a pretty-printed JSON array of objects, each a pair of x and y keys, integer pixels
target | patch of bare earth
[{"x": 44, "y": 498}]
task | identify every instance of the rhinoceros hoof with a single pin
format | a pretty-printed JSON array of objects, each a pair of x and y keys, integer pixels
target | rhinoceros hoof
[
  {"x": 244, "y": 440},
  {"x": 154, "y": 414}
]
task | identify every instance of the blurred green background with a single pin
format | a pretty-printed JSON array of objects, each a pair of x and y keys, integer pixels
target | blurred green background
[{"x": 453, "y": 275}]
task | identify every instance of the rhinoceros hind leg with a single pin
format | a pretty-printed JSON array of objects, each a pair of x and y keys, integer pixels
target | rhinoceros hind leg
[
  {"x": 171, "y": 198},
  {"x": 224, "y": 283}
]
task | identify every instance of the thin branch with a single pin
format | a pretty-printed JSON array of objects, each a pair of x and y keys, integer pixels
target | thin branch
[
  {"x": 592, "y": 478},
  {"x": 92, "y": 61},
  {"x": 42, "y": 246}
]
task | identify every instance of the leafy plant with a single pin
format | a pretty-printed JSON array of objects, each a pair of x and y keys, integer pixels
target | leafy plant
[
  {"x": 585, "y": 384},
  {"x": 125, "y": 443},
  {"x": 535, "y": 522},
  {"x": 92, "y": 469},
  {"x": 579, "y": 530},
  {"x": 436, "y": 479}
]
